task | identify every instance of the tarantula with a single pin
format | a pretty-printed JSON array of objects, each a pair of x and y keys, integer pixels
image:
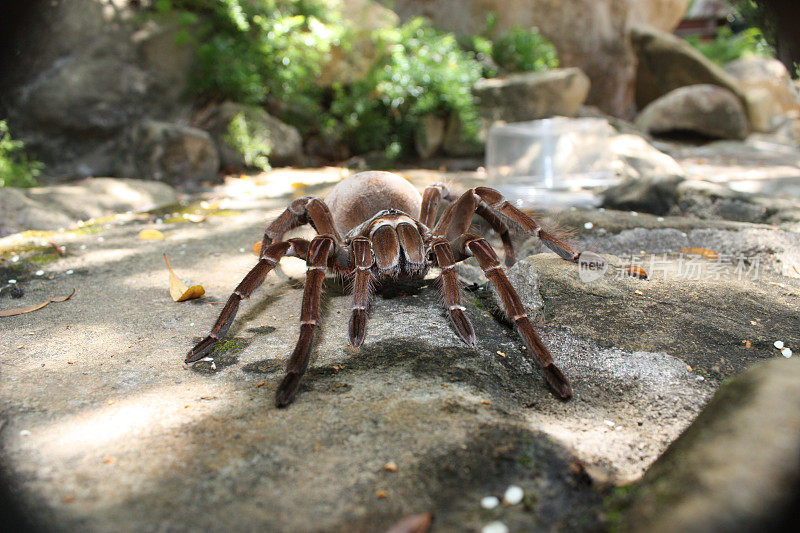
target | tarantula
[{"x": 375, "y": 227}]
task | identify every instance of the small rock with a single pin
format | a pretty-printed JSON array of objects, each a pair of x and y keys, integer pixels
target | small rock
[
  {"x": 489, "y": 502},
  {"x": 495, "y": 527},
  {"x": 513, "y": 495},
  {"x": 778, "y": 344}
]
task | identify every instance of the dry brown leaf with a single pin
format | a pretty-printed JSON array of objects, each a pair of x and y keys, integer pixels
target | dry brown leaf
[
  {"x": 178, "y": 289},
  {"x": 635, "y": 272},
  {"x": 702, "y": 252},
  {"x": 23, "y": 310},
  {"x": 150, "y": 235}
]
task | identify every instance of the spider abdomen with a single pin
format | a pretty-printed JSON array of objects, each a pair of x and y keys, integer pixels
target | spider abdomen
[{"x": 360, "y": 196}]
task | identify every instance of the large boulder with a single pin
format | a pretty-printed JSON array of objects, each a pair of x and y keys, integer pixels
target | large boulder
[
  {"x": 588, "y": 34},
  {"x": 284, "y": 141},
  {"x": 83, "y": 72},
  {"x": 737, "y": 467},
  {"x": 768, "y": 88},
  {"x": 705, "y": 110},
  {"x": 532, "y": 95},
  {"x": 518, "y": 98},
  {"x": 176, "y": 154},
  {"x": 666, "y": 62}
]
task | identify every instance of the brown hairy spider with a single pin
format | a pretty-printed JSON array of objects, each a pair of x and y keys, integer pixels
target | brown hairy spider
[{"x": 375, "y": 227}]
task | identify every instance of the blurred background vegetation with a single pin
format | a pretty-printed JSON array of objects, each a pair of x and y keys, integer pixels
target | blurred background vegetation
[{"x": 274, "y": 54}]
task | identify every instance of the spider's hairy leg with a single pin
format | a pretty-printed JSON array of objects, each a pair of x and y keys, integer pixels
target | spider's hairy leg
[
  {"x": 361, "y": 254},
  {"x": 457, "y": 218},
  {"x": 497, "y": 202},
  {"x": 269, "y": 258},
  {"x": 452, "y": 291},
  {"x": 309, "y": 319},
  {"x": 303, "y": 210},
  {"x": 474, "y": 245}
]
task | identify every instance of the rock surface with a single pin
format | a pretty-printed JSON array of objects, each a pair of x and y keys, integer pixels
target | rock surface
[
  {"x": 736, "y": 468},
  {"x": 705, "y": 110},
  {"x": 95, "y": 59},
  {"x": 532, "y": 95},
  {"x": 60, "y": 206},
  {"x": 175, "y": 154},
  {"x": 115, "y": 429},
  {"x": 666, "y": 63},
  {"x": 768, "y": 88},
  {"x": 284, "y": 141}
]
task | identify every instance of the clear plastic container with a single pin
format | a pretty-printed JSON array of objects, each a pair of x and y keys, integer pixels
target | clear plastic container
[{"x": 551, "y": 162}]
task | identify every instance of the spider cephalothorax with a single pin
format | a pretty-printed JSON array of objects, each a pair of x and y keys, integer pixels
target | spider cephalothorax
[{"x": 375, "y": 227}]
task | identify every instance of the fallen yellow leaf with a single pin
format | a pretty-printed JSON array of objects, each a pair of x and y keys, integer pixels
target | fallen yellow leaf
[
  {"x": 257, "y": 248},
  {"x": 178, "y": 289},
  {"x": 702, "y": 252},
  {"x": 150, "y": 235}
]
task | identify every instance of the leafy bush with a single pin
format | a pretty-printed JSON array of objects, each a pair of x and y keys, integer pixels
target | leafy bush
[
  {"x": 728, "y": 46},
  {"x": 250, "y": 140},
  {"x": 424, "y": 72},
  {"x": 16, "y": 169},
  {"x": 248, "y": 49},
  {"x": 520, "y": 50}
]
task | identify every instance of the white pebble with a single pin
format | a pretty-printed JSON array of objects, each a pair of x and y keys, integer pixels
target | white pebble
[
  {"x": 489, "y": 502},
  {"x": 513, "y": 495},
  {"x": 12, "y": 281},
  {"x": 83, "y": 246},
  {"x": 609, "y": 423},
  {"x": 786, "y": 352},
  {"x": 14, "y": 259},
  {"x": 778, "y": 344},
  {"x": 70, "y": 272},
  {"x": 39, "y": 272},
  {"x": 634, "y": 213},
  {"x": 24, "y": 433},
  {"x": 241, "y": 250},
  {"x": 588, "y": 225},
  {"x": 495, "y": 527},
  {"x": 660, "y": 219}
]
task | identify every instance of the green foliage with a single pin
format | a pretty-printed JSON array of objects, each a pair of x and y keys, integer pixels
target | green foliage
[
  {"x": 251, "y": 140},
  {"x": 248, "y": 49},
  {"x": 520, "y": 50},
  {"x": 424, "y": 71},
  {"x": 251, "y": 50},
  {"x": 16, "y": 169},
  {"x": 727, "y": 46}
]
